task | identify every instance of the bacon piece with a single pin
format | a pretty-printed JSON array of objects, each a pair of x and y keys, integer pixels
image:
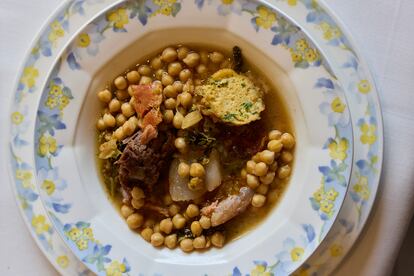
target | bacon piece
[
  {"x": 153, "y": 117},
  {"x": 149, "y": 133},
  {"x": 208, "y": 210},
  {"x": 145, "y": 98}
]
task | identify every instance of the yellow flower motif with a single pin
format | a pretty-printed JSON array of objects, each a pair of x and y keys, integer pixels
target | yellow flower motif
[
  {"x": 48, "y": 186},
  {"x": 227, "y": 2},
  {"x": 368, "y": 133},
  {"x": 47, "y": 145},
  {"x": 29, "y": 76},
  {"x": 39, "y": 224},
  {"x": 51, "y": 102},
  {"x": 338, "y": 150},
  {"x": 83, "y": 40},
  {"x": 292, "y": 2},
  {"x": 324, "y": 26},
  {"x": 326, "y": 206},
  {"x": 364, "y": 86},
  {"x": 55, "y": 90},
  {"x": 166, "y": 10},
  {"x": 361, "y": 188},
  {"x": 296, "y": 253},
  {"x": 56, "y": 31},
  {"x": 265, "y": 17},
  {"x": 63, "y": 261},
  {"x": 64, "y": 101},
  {"x": 74, "y": 234},
  {"x": 26, "y": 177},
  {"x": 311, "y": 55},
  {"x": 56, "y": 26},
  {"x": 296, "y": 56},
  {"x": 115, "y": 268},
  {"x": 82, "y": 244},
  {"x": 17, "y": 118},
  {"x": 260, "y": 270},
  {"x": 336, "y": 250},
  {"x": 118, "y": 17},
  {"x": 337, "y": 105},
  {"x": 318, "y": 195},
  {"x": 331, "y": 194},
  {"x": 87, "y": 232},
  {"x": 302, "y": 45}
]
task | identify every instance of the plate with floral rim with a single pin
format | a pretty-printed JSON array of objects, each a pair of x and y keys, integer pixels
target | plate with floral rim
[{"x": 281, "y": 264}]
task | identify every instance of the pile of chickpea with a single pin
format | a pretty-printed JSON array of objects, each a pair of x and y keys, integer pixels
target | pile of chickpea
[{"x": 261, "y": 171}]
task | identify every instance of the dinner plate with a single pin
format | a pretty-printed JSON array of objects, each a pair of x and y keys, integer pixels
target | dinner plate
[{"x": 55, "y": 133}]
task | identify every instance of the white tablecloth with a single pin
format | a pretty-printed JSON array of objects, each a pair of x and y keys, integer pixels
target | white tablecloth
[{"x": 384, "y": 31}]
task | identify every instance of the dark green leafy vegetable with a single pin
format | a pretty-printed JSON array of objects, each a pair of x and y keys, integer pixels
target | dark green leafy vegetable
[{"x": 238, "y": 59}]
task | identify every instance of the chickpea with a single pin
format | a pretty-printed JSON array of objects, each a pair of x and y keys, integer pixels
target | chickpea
[
  {"x": 133, "y": 77},
  {"x": 178, "y": 221},
  {"x": 166, "y": 225},
  {"x": 105, "y": 96},
  {"x": 184, "y": 75},
  {"x": 134, "y": 121},
  {"x": 114, "y": 105},
  {"x": 197, "y": 170},
  {"x": 192, "y": 211},
  {"x": 166, "y": 199},
  {"x": 181, "y": 145},
  {"x": 186, "y": 99},
  {"x": 157, "y": 228},
  {"x": 170, "y": 241},
  {"x": 174, "y": 68},
  {"x": 284, "y": 171},
  {"x": 120, "y": 119},
  {"x": 183, "y": 169},
  {"x": 186, "y": 245},
  {"x": 275, "y": 135},
  {"x": 262, "y": 189},
  {"x": 169, "y": 55},
  {"x": 166, "y": 79},
  {"x": 100, "y": 124},
  {"x": 157, "y": 87},
  {"x": 216, "y": 57},
  {"x": 137, "y": 193},
  {"x": 135, "y": 220},
  {"x": 109, "y": 120},
  {"x": 275, "y": 145},
  {"x": 243, "y": 174},
  {"x": 126, "y": 211},
  {"x": 145, "y": 80},
  {"x": 225, "y": 64},
  {"x": 256, "y": 158},
  {"x": 149, "y": 223},
  {"x": 196, "y": 183},
  {"x": 170, "y": 92},
  {"x": 250, "y": 166},
  {"x": 122, "y": 95},
  {"x": 287, "y": 140},
  {"x": 127, "y": 110},
  {"x": 258, "y": 200},
  {"x": 156, "y": 63},
  {"x": 286, "y": 157},
  {"x": 120, "y": 83},
  {"x": 273, "y": 167},
  {"x": 260, "y": 169},
  {"x": 273, "y": 196},
  {"x": 192, "y": 59},
  {"x": 128, "y": 127},
  {"x": 178, "y": 120},
  {"x": 119, "y": 134},
  {"x": 168, "y": 116},
  {"x": 268, "y": 178},
  {"x": 173, "y": 209},
  {"x": 188, "y": 86},
  {"x": 170, "y": 103},
  {"x": 146, "y": 234},
  {"x": 144, "y": 70},
  {"x": 137, "y": 203},
  {"x": 199, "y": 242},
  {"x": 252, "y": 181},
  {"x": 159, "y": 73},
  {"x": 204, "y": 57},
  {"x": 217, "y": 239},
  {"x": 196, "y": 228},
  {"x": 205, "y": 222},
  {"x": 202, "y": 69},
  {"x": 267, "y": 156},
  {"x": 182, "y": 52},
  {"x": 157, "y": 239},
  {"x": 178, "y": 86}
]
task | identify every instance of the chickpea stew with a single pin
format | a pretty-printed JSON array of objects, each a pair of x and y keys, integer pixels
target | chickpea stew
[{"x": 194, "y": 146}]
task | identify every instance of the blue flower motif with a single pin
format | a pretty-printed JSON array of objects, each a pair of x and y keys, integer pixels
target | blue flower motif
[
  {"x": 334, "y": 173},
  {"x": 99, "y": 256}
]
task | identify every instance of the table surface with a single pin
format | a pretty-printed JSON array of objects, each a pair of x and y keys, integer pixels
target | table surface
[{"x": 384, "y": 33}]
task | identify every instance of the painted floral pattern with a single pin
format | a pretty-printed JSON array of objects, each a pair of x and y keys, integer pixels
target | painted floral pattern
[{"x": 303, "y": 55}]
